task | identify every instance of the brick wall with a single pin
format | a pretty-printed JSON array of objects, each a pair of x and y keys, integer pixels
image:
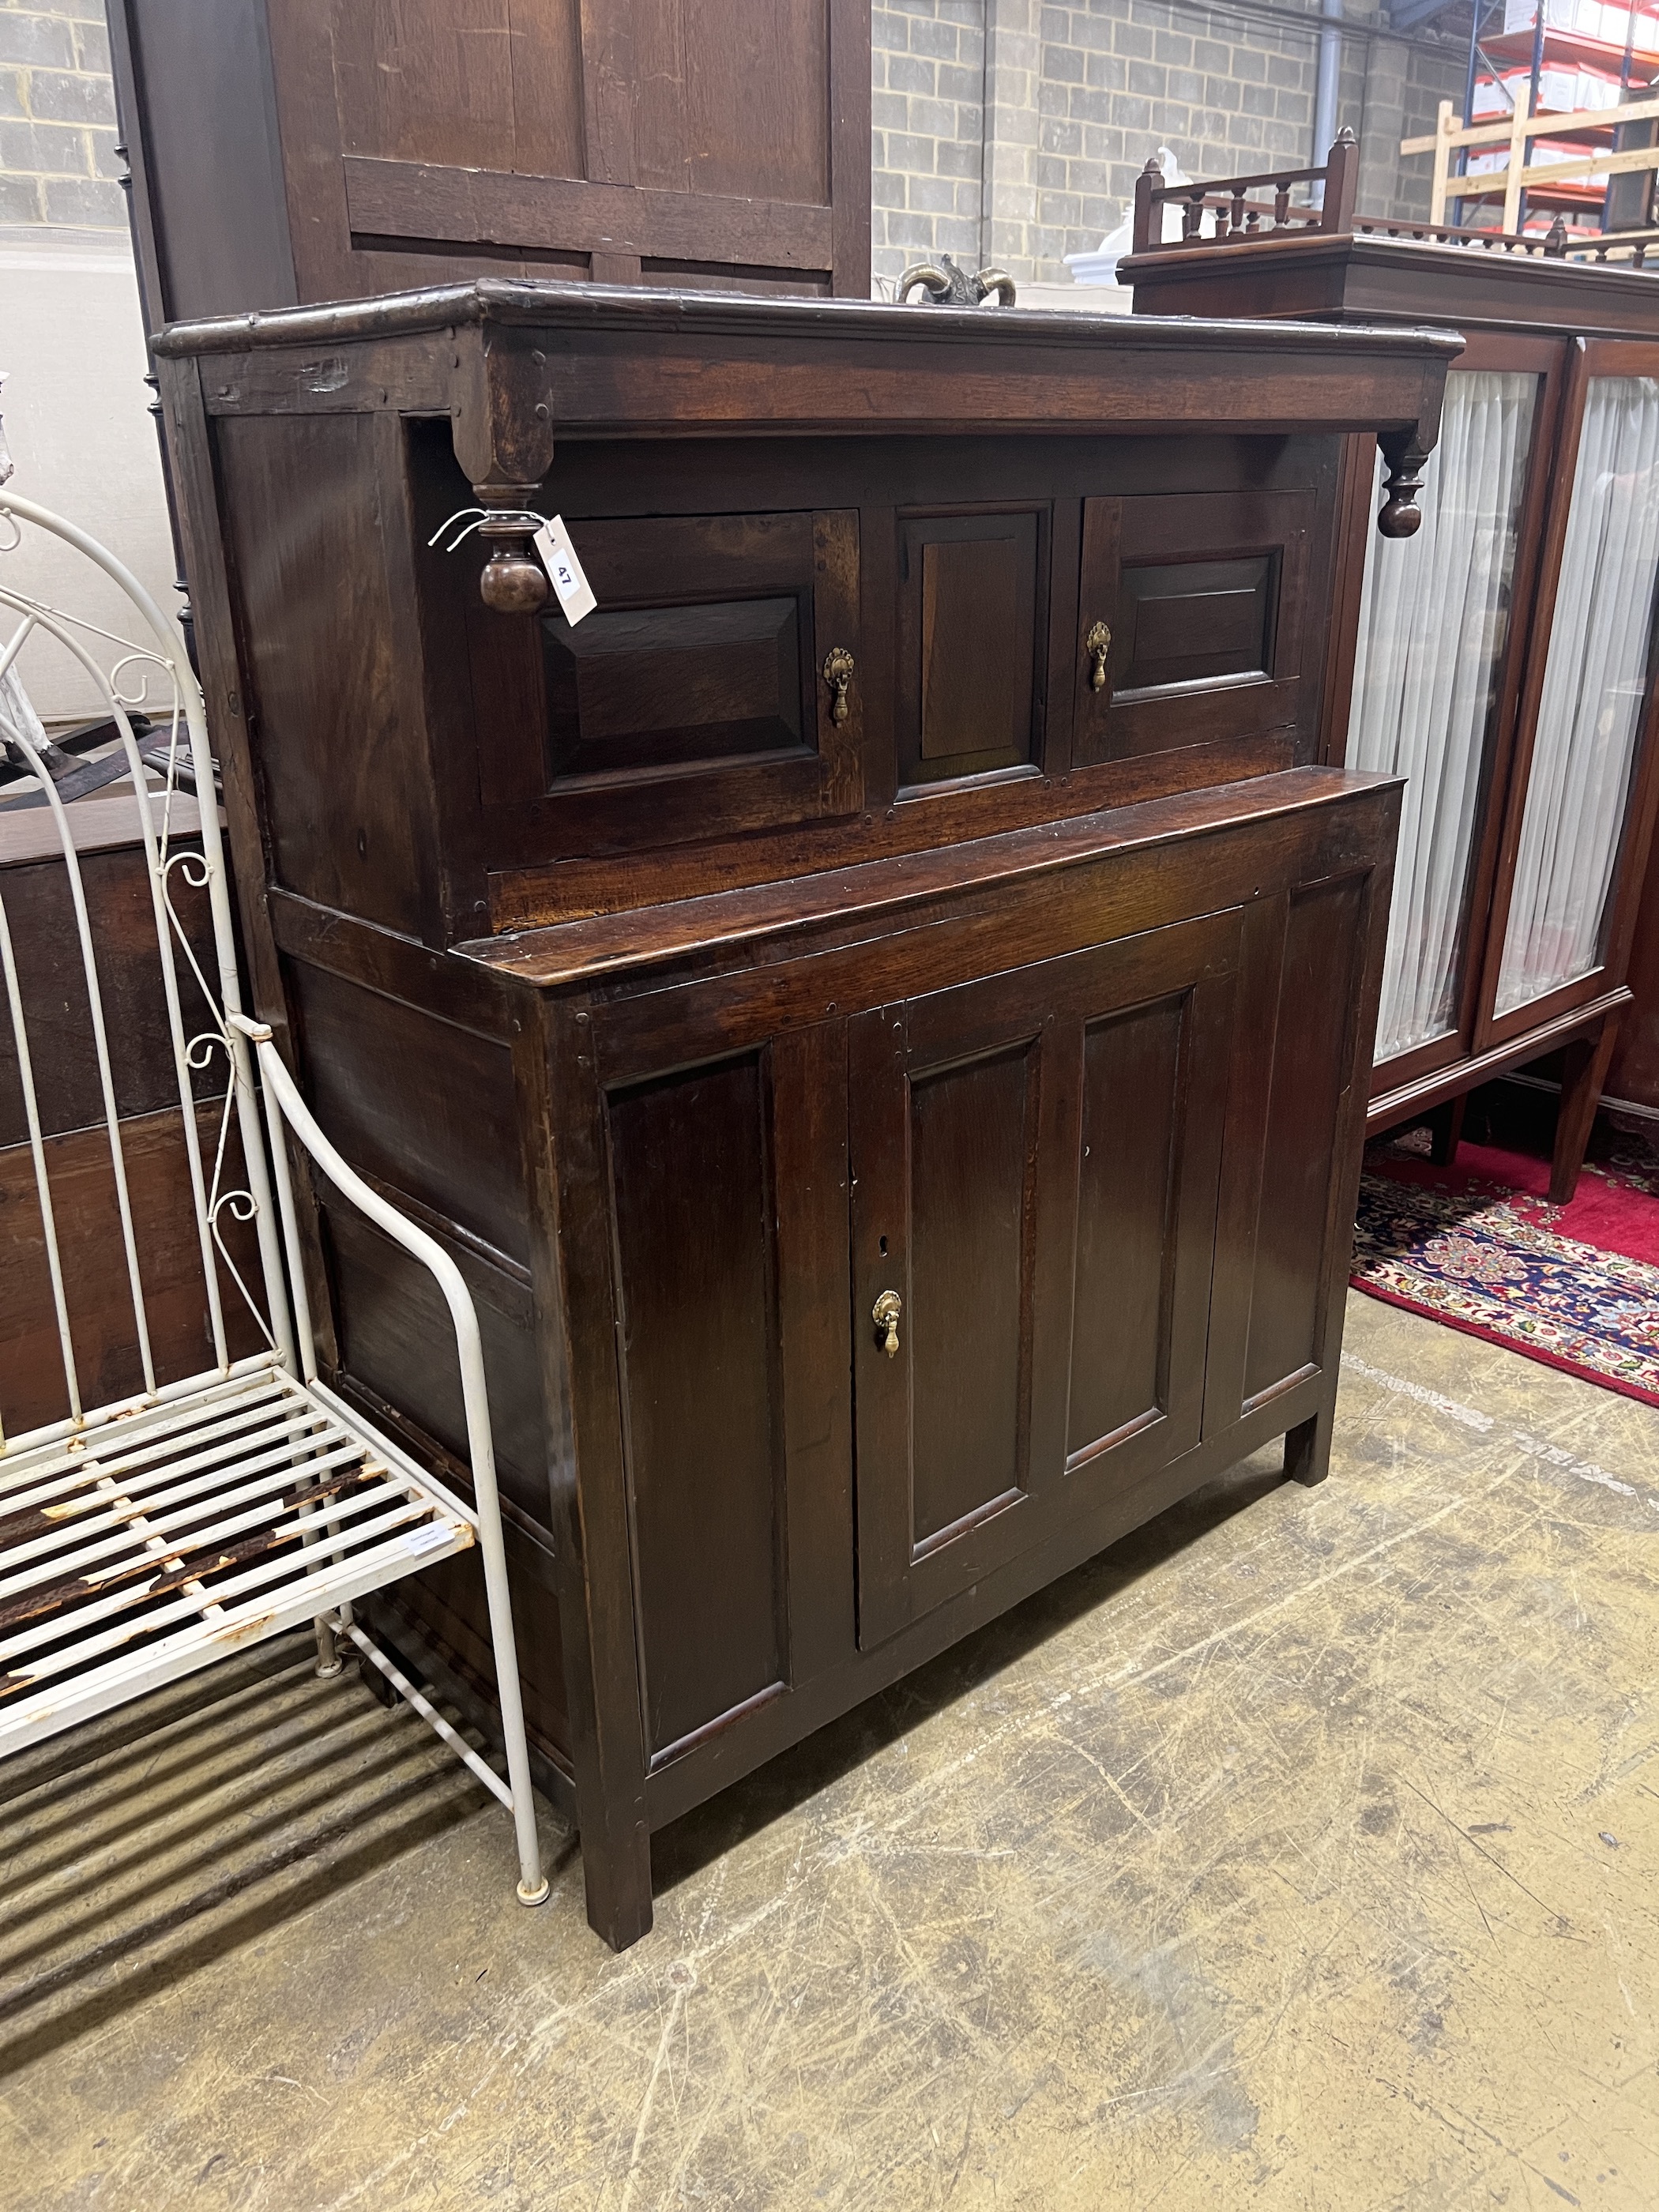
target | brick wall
[
  {"x": 57, "y": 159},
  {"x": 1013, "y": 130},
  {"x": 1006, "y": 130},
  {"x": 927, "y": 90}
]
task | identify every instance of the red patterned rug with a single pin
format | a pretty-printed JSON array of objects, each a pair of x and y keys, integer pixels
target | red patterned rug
[{"x": 1479, "y": 1246}]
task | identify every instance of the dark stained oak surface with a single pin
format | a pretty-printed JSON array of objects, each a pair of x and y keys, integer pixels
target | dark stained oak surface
[
  {"x": 588, "y": 949},
  {"x": 806, "y": 930}
]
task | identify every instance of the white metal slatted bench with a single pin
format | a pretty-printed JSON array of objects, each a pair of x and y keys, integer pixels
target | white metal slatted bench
[{"x": 147, "y": 1537}]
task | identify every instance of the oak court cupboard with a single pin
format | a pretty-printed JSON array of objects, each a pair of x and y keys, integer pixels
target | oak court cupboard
[
  {"x": 878, "y": 1010},
  {"x": 1507, "y": 668}
]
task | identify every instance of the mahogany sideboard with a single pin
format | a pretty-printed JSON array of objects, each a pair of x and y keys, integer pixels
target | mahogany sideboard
[
  {"x": 1513, "y": 678},
  {"x": 878, "y": 1010}
]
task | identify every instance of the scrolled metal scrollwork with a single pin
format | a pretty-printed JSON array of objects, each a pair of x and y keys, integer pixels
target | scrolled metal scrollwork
[{"x": 948, "y": 286}]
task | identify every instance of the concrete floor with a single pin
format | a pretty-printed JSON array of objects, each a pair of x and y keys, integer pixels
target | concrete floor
[{"x": 1297, "y": 1854}]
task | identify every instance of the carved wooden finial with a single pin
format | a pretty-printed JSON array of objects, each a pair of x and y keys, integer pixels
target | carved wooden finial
[
  {"x": 1406, "y": 460},
  {"x": 1555, "y": 241},
  {"x": 514, "y": 582}
]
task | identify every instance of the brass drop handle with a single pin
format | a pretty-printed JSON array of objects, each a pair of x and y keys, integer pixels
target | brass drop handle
[
  {"x": 885, "y": 1314},
  {"x": 1098, "y": 644},
  {"x": 839, "y": 668}
]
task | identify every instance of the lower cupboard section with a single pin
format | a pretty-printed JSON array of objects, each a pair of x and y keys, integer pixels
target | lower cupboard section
[
  {"x": 901, "y": 1296},
  {"x": 878, "y": 1280}
]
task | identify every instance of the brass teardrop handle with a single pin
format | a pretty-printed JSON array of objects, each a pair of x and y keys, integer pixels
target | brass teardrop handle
[
  {"x": 839, "y": 667},
  {"x": 885, "y": 1314},
  {"x": 1097, "y": 644}
]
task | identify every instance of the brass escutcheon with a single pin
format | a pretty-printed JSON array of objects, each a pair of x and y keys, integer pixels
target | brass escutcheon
[
  {"x": 1098, "y": 644},
  {"x": 838, "y": 668},
  {"x": 885, "y": 1314}
]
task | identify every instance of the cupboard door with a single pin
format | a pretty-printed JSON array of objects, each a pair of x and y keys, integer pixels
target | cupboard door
[
  {"x": 1195, "y": 621},
  {"x": 693, "y": 699},
  {"x": 1035, "y": 1161}
]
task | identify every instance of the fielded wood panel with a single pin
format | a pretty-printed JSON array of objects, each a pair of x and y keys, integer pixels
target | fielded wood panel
[
  {"x": 424, "y": 1105},
  {"x": 969, "y": 685},
  {"x": 1312, "y": 1067},
  {"x": 395, "y": 1341},
  {"x": 725, "y": 1179},
  {"x": 343, "y": 786},
  {"x": 1209, "y": 601},
  {"x": 699, "y": 1325},
  {"x": 691, "y": 703},
  {"x": 1053, "y": 1281}
]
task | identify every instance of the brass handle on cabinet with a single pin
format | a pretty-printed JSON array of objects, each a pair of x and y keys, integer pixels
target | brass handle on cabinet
[
  {"x": 839, "y": 667},
  {"x": 1097, "y": 644},
  {"x": 885, "y": 1314}
]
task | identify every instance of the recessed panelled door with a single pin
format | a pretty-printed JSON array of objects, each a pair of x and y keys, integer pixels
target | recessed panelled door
[
  {"x": 1035, "y": 1160},
  {"x": 721, "y": 685},
  {"x": 1193, "y": 620}
]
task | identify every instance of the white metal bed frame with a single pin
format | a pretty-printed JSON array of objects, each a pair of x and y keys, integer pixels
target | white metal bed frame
[{"x": 141, "y": 1540}]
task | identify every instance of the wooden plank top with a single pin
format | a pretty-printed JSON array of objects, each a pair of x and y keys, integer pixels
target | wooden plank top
[
  {"x": 1363, "y": 279},
  {"x": 546, "y": 304},
  {"x": 602, "y": 360},
  {"x": 649, "y": 937}
]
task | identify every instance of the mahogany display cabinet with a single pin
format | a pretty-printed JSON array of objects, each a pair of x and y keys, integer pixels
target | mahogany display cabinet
[
  {"x": 1509, "y": 673},
  {"x": 878, "y": 1010}
]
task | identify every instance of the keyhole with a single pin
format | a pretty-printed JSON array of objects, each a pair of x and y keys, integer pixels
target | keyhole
[{"x": 883, "y": 1248}]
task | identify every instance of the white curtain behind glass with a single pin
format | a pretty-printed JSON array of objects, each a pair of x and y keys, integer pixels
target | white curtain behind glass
[
  {"x": 1433, "y": 619},
  {"x": 1591, "y": 707}
]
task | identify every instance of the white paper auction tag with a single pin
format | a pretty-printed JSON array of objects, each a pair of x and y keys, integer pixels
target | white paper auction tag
[
  {"x": 576, "y": 593},
  {"x": 428, "y": 1537}
]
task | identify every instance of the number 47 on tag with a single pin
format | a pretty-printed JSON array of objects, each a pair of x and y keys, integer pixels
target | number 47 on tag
[{"x": 574, "y": 592}]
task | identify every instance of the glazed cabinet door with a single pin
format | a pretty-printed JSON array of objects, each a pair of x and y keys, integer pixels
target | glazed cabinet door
[
  {"x": 1034, "y": 1162},
  {"x": 1433, "y": 687},
  {"x": 1580, "y": 789}
]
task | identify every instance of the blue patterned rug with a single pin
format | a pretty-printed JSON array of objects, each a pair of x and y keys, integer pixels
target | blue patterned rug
[{"x": 1498, "y": 1260}]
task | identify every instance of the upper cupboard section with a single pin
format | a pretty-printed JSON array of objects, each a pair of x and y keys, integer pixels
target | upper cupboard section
[{"x": 799, "y": 657}]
